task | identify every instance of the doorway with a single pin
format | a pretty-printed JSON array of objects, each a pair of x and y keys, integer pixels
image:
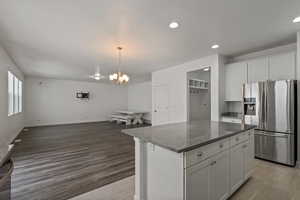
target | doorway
[{"x": 199, "y": 94}]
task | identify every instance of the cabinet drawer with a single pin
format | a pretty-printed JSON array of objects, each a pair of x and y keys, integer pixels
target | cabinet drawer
[
  {"x": 202, "y": 153},
  {"x": 239, "y": 138}
]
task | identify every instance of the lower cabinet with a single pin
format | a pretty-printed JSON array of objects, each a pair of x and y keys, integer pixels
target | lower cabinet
[
  {"x": 217, "y": 177},
  {"x": 241, "y": 162},
  {"x": 220, "y": 178},
  {"x": 198, "y": 181},
  {"x": 236, "y": 167},
  {"x": 209, "y": 179}
]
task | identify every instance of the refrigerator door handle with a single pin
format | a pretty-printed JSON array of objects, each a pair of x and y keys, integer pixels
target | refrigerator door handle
[{"x": 273, "y": 135}]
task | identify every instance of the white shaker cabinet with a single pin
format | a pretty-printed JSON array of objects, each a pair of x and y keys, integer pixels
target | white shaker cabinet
[
  {"x": 220, "y": 176},
  {"x": 282, "y": 66},
  {"x": 209, "y": 179},
  {"x": 198, "y": 182},
  {"x": 237, "y": 167},
  {"x": 235, "y": 77},
  {"x": 258, "y": 70},
  {"x": 249, "y": 155}
]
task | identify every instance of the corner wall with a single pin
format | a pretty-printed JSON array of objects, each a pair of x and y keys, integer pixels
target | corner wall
[
  {"x": 11, "y": 126},
  {"x": 175, "y": 78},
  {"x": 51, "y": 101},
  {"x": 140, "y": 98}
]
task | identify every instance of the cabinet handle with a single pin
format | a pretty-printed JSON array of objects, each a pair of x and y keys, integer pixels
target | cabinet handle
[
  {"x": 200, "y": 154},
  {"x": 221, "y": 145},
  {"x": 213, "y": 163}
]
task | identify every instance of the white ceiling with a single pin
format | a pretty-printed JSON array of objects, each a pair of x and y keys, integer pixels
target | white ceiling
[{"x": 68, "y": 39}]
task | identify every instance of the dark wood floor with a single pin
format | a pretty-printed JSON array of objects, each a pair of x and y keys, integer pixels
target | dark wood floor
[{"x": 60, "y": 162}]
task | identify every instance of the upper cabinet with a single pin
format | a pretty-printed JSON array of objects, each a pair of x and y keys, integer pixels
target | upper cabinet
[
  {"x": 275, "y": 67},
  {"x": 235, "y": 77},
  {"x": 258, "y": 70},
  {"x": 282, "y": 66}
]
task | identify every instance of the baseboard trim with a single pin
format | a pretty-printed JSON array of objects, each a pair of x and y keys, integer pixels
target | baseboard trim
[
  {"x": 63, "y": 124},
  {"x": 13, "y": 140}
]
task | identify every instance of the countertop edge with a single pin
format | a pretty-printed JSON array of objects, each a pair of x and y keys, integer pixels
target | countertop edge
[{"x": 194, "y": 146}]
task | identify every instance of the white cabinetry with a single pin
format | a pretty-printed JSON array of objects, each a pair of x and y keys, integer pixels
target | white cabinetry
[
  {"x": 274, "y": 67},
  {"x": 220, "y": 178},
  {"x": 221, "y": 168},
  {"x": 209, "y": 179},
  {"x": 210, "y": 172},
  {"x": 235, "y": 77},
  {"x": 198, "y": 182},
  {"x": 282, "y": 66},
  {"x": 237, "y": 167},
  {"x": 249, "y": 155},
  {"x": 258, "y": 70},
  {"x": 241, "y": 161}
]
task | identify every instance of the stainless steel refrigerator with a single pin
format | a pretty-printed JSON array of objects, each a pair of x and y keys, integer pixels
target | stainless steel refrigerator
[{"x": 272, "y": 107}]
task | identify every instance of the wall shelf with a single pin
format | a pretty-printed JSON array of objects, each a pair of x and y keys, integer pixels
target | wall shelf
[{"x": 198, "y": 84}]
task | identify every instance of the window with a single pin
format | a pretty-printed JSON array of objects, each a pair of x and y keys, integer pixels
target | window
[{"x": 14, "y": 94}]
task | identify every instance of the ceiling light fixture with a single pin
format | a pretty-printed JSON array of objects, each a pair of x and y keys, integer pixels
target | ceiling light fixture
[
  {"x": 119, "y": 77},
  {"x": 296, "y": 20},
  {"x": 215, "y": 46},
  {"x": 97, "y": 76},
  {"x": 173, "y": 25},
  {"x": 206, "y": 69}
]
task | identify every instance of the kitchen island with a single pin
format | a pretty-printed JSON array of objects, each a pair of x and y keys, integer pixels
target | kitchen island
[{"x": 192, "y": 160}]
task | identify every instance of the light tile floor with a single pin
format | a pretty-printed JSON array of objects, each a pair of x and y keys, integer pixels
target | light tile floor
[{"x": 269, "y": 182}]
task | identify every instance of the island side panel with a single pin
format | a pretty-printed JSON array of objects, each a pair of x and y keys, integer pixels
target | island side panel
[
  {"x": 159, "y": 173},
  {"x": 140, "y": 169},
  {"x": 165, "y": 174}
]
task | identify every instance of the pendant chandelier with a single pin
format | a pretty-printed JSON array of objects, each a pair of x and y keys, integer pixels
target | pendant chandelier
[{"x": 119, "y": 77}]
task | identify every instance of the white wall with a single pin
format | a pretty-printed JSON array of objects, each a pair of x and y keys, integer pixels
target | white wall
[
  {"x": 50, "y": 101},
  {"x": 176, "y": 80},
  {"x": 140, "y": 97},
  {"x": 9, "y": 126}
]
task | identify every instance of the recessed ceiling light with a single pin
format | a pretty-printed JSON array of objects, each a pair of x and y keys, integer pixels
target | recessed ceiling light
[
  {"x": 206, "y": 69},
  {"x": 215, "y": 46},
  {"x": 296, "y": 20},
  {"x": 173, "y": 25}
]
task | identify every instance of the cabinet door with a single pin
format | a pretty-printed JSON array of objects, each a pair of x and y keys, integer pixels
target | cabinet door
[
  {"x": 198, "y": 181},
  {"x": 236, "y": 167},
  {"x": 220, "y": 176},
  {"x": 235, "y": 77},
  {"x": 258, "y": 70},
  {"x": 283, "y": 66},
  {"x": 160, "y": 104},
  {"x": 249, "y": 155}
]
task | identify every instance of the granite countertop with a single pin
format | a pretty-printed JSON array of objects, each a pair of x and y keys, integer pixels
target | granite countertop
[{"x": 186, "y": 136}]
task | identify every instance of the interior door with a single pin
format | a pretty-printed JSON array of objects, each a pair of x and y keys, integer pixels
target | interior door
[{"x": 160, "y": 104}]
